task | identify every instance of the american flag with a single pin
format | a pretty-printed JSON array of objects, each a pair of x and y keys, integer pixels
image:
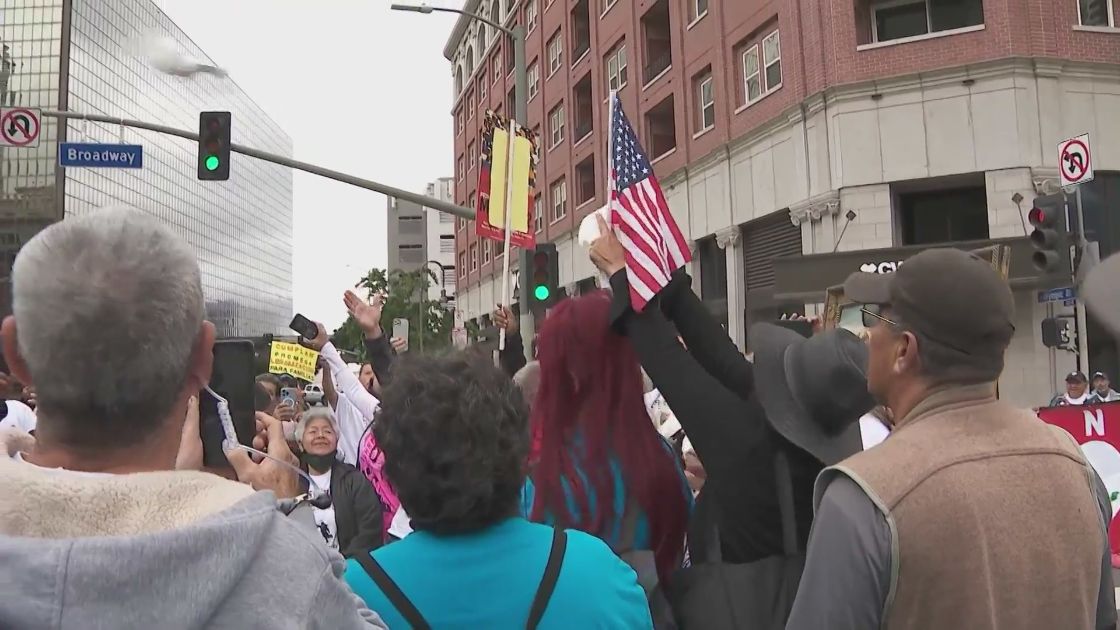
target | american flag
[{"x": 654, "y": 244}]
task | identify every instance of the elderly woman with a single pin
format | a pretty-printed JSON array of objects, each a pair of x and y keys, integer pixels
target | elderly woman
[{"x": 352, "y": 523}]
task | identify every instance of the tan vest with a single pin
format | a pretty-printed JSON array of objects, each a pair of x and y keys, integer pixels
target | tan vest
[{"x": 993, "y": 520}]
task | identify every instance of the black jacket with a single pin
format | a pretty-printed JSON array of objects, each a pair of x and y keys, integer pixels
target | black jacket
[
  {"x": 710, "y": 388},
  {"x": 357, "y": 510}
]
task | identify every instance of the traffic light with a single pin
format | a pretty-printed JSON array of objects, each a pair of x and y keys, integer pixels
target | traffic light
[
  {"x": 544, "y": 276},
  {"x": 1048, "y": 216},
  {"x": 1056, "y": 332},
  {"x": 213, "y": 145}
]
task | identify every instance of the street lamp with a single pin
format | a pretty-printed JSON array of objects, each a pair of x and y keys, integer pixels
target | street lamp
[{"x": 520, "y": 106}]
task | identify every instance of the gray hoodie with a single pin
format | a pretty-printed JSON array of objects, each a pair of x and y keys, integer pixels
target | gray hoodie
[{"x": 164, "y": 550}]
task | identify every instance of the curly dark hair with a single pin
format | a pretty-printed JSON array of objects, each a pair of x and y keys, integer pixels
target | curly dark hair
[{"x": 455, "y": 433}]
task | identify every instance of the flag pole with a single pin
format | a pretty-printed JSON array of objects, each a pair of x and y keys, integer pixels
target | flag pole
[
  {"x": 604, "y": 281},
  {"x": 506, "y": 235}
]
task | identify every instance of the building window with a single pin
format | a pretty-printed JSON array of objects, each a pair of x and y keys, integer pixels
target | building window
[
  {"x": 458, "y": 81},
  {"x": 616, "y": 67},
  {"x": 705, "y": 101},
  {"x": 699, "y": 9},
  {"x": 662, "y": 125},
  {"x": 470, "y": 62},
  {"x": 1095, "y": 12},
  {"x": 462, "y": 264},
  {"x": 482, "y": 90},
  {"x": 760, "y": 79},
  {"x": 472, "y": 156},
  {"x": 474, "y": 257},
  {"x": 559, "y": 200},
  {"x": 658, "y": 38},
  {"x": 459, "y": 123},
  {"x": 538, "y": 215},
  {"x": 530, "y": 15},
  {"x": 447, "y": 243},
  {"x": 585, "y": 181},
  {"x": 606, "y": 6},
  {"x": 895, "y": 19},
  {"x": 470, "y": 105},
  {"x": 555, "y": 53},
  {"x": 556, "y": 126},
  {"x": 944, "y": 214},
  {"x": 459, "y": 168},
  {"x": 471, "y": 202},
  {"x": 580, "y": 30},
  {"x": 534, "y": 76},
  {"x": 584, "y": 106},
  {"x": 487, "y": 249}
]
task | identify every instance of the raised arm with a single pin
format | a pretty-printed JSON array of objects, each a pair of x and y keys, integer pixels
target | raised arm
[{"x": 513, "y": 357}]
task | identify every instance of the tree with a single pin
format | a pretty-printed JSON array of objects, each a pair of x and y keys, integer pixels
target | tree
[{"x": 429, "y": 321}]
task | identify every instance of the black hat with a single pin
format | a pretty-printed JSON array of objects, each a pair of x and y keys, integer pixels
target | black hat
[
  {"x": 1076, "y": 377},
  {"x": 1101, "y": 292},
  {"x": 813, "y": 390},
  {"x": 951, "y": 298},
  {"x": 1097, "y": 375}
]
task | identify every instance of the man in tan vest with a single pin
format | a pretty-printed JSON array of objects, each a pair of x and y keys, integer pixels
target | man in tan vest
[{"x": 973, "y": 514}]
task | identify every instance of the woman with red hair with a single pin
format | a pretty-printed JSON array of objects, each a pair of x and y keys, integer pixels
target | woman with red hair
[{"x": 598, "y": 463}]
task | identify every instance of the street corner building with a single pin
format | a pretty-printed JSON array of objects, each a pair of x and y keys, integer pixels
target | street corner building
[
  {"x": 83, "y": 56},
  {"x": 797, "y": 142}
]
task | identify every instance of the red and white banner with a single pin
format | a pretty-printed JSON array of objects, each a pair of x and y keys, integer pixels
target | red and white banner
[{"x": 1097, "y": 429}]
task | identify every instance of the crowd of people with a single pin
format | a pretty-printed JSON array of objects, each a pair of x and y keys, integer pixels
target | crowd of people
[
  {"x": 638, "y": 472},
  {"x": 1080, "y": 391}
]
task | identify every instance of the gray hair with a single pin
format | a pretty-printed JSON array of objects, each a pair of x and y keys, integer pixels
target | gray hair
[
  {"x": 108, "y": 307},
  {"x": 314, "y": 413}
]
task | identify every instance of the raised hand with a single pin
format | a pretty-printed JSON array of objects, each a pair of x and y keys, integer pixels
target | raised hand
[{"x": 368, "y": 316}]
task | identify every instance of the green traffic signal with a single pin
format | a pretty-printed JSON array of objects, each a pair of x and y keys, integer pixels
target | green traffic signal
[
  {"x": 212, "y": 162},
  {"x": 541, "y": 292}
]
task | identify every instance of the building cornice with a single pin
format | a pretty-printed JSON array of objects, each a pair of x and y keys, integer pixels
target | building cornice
[
  {"x": 459, "y": 30},
  {"x": 816, "y": 207}
]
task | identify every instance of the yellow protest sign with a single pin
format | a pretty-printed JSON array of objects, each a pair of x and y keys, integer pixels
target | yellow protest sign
[{"x": 294, "y": 359}]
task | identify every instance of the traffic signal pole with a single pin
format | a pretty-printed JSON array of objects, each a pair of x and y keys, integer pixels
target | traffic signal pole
[
  {"x": 1079, "y": 307},
  {"x": 429, "y": 202}
]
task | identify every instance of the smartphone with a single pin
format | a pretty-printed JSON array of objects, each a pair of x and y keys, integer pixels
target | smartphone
[
  {"x": 802, "y": 327},
  {"x": 400, "y": 328},
  {"x": 305, "y": 327},
  {"x": 289, "y": 395},
  {"x": 233, "y": 378}
]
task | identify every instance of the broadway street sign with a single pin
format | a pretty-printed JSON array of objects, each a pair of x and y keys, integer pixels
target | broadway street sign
[{"x": 101, "y": 155}]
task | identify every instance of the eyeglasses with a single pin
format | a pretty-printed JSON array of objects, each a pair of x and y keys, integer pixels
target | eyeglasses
[{"x": 871, "y": 316}]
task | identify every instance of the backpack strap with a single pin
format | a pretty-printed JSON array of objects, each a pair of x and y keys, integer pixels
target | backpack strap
[
  {"x": 548, "y": 582},
  {"x": 785, "y": 502},
  {"x": 393, "y": 592}
]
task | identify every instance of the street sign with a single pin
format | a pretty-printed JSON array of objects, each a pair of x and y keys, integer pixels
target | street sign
[
  {"x": 1074, "y": 161},
  {"x": 1056, "y": 295},
  {"x": 19, "y": 127},
  {"x": 1070, "y": 303},
  {"x": 88, "y": 154}
]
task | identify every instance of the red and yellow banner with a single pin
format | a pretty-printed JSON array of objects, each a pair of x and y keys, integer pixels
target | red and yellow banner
[{"x": 497, "y": 175}]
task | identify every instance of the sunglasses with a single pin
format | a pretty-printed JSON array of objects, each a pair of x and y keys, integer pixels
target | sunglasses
[{"x": 872, "y": 315}]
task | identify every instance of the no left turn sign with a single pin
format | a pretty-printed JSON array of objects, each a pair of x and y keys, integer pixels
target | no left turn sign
[
  {"x": 19, "y": 127},
  {"x": 1074, "y": 161}
]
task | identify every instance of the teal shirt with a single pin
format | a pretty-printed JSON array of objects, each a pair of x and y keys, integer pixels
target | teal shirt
[{"x": 487, "y": 579}]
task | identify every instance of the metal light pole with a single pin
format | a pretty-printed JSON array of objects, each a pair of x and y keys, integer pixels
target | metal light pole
[{"x": 520, "y": 114}]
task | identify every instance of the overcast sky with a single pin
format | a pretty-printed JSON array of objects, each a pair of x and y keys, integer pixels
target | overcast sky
[{"x": 381, "y": 73}]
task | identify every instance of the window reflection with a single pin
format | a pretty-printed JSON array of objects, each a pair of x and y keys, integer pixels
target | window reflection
[{"x": 241, "y": 229}]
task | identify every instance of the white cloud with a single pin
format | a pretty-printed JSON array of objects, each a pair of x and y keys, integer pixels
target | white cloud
[{"x": 360, "y": 89}]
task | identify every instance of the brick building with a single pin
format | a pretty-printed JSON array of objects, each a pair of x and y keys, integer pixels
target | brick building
[{"x": 768, "y": 121}]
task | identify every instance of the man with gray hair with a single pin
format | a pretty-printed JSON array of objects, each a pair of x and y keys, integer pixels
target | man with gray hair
[{"x": 97, "y": 529}]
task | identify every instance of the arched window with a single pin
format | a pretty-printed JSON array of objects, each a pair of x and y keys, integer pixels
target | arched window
[
  {"x": 458, "y": 80},
  {"x": 480, "y": 39},
  {"x": 470, "y": 61},
  {"x": 496, "y": 17}
]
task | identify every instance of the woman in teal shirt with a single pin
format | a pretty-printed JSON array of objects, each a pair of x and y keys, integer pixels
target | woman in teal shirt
[{"x": 455, "y": 436}]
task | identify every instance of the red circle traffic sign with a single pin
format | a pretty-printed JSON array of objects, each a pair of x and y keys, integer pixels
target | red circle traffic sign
[
  {"x": 20, "y": 131},
  {"x": 1074, "y": 161}
]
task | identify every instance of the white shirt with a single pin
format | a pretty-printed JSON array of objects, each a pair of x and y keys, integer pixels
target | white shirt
[
  {"x": 357, "y": 412},
  {"x": 20, "y": 416},
  {"x": 872, "y": 430},
  {"x": 324, "y": 519},
  {"x": 401, "y": 525}
]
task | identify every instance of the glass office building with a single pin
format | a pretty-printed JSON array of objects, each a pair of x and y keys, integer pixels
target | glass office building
[{"x": 87, "y": 56}]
